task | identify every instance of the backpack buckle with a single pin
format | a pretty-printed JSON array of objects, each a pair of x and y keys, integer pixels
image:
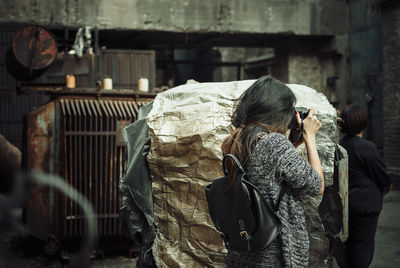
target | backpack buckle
[{"x": 244, "y": 234}]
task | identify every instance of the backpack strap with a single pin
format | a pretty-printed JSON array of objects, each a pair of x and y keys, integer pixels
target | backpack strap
[
  {"x": 283, "y": 185},
  {"x": 226, "y": 172}
]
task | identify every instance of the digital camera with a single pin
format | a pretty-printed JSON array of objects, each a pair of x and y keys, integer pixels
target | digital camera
[{"x": 303, "y": 112}]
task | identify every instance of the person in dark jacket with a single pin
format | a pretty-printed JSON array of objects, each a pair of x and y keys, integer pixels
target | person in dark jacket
[{"x": 368, "y": 182}]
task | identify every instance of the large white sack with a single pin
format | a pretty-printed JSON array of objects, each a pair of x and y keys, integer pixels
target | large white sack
[{"x": 187, "y": 126}]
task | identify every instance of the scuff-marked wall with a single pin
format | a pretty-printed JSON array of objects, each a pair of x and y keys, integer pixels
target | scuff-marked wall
[{"x": 302, "y": 17}]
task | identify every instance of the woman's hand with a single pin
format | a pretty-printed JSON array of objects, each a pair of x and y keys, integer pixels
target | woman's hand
[
  {"x": 311, "y": 124},
  {"x": 310, "y": 128}
]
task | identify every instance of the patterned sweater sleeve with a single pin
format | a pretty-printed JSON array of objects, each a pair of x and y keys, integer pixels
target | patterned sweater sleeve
[{"x": 291, "y": 167}]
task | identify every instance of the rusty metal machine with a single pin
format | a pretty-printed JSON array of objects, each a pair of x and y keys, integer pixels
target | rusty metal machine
[
  {"x": 79, "y": 138},
  {"x": 78, "y": 134}
]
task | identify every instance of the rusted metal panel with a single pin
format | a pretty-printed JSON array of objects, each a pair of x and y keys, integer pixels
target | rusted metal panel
[
  {"x": 126, "y": 67},
  {"x": 40, "y": 155}
]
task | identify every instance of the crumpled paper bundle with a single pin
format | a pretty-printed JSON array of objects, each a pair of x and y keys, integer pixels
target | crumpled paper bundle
[{"x": 187, "y": 126}]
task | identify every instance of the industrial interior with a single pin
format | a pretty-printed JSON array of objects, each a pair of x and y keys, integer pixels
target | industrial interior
[{"x": 74, "y": 76}]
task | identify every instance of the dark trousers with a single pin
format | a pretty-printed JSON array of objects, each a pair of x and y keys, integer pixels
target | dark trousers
[{"x": 360, "y": 244}]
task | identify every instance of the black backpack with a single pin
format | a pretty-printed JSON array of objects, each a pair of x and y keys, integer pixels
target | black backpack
[{"x": 243, "y": 218}]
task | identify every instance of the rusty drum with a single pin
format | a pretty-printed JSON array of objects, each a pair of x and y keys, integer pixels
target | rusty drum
[{"x": 33, "y": 50}]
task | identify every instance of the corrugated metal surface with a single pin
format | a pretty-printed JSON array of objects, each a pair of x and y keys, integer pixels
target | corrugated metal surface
[
  {"x": 13, "y": 107},
  {"x": 82, "y": 68},
  {"x": 41, "y": 155},
  {"x": 6, "y": 80},
  {"x": 126, "y": 67}
]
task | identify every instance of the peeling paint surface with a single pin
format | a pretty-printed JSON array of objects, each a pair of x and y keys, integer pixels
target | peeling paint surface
[{"x": 42, "y": 124}]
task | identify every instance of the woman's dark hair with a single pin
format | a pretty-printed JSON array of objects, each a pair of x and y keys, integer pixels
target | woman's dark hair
[
  {"x": 354, "y": 119},
  {"x": 267, "y": 105}
]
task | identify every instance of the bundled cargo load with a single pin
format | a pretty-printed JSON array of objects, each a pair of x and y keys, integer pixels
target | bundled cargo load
[{"x": 187, "y": 125}]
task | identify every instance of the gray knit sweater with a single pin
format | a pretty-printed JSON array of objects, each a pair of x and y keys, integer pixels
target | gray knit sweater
[{"x": 275, "y": 159}]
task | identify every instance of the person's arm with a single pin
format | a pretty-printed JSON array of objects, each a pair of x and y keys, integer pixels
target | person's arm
[
  {"x": 296, "y": 171},
  {"x": 313, "y": 159},
  {"x": 310, "y": 129}
]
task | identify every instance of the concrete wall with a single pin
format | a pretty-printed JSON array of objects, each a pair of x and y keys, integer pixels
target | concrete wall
[
  {"x": 325, "y": 69},
  {"x": 302, "y": 17},
  {"x": 240, "y": 55},
  {"x": 307, "y": 66},
  {"x": 391, "y": 87},
  {"x": 304, "y": 68}
]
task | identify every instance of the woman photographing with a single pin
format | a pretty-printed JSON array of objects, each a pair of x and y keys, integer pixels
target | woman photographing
[{"x": 261, "y": 120}]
